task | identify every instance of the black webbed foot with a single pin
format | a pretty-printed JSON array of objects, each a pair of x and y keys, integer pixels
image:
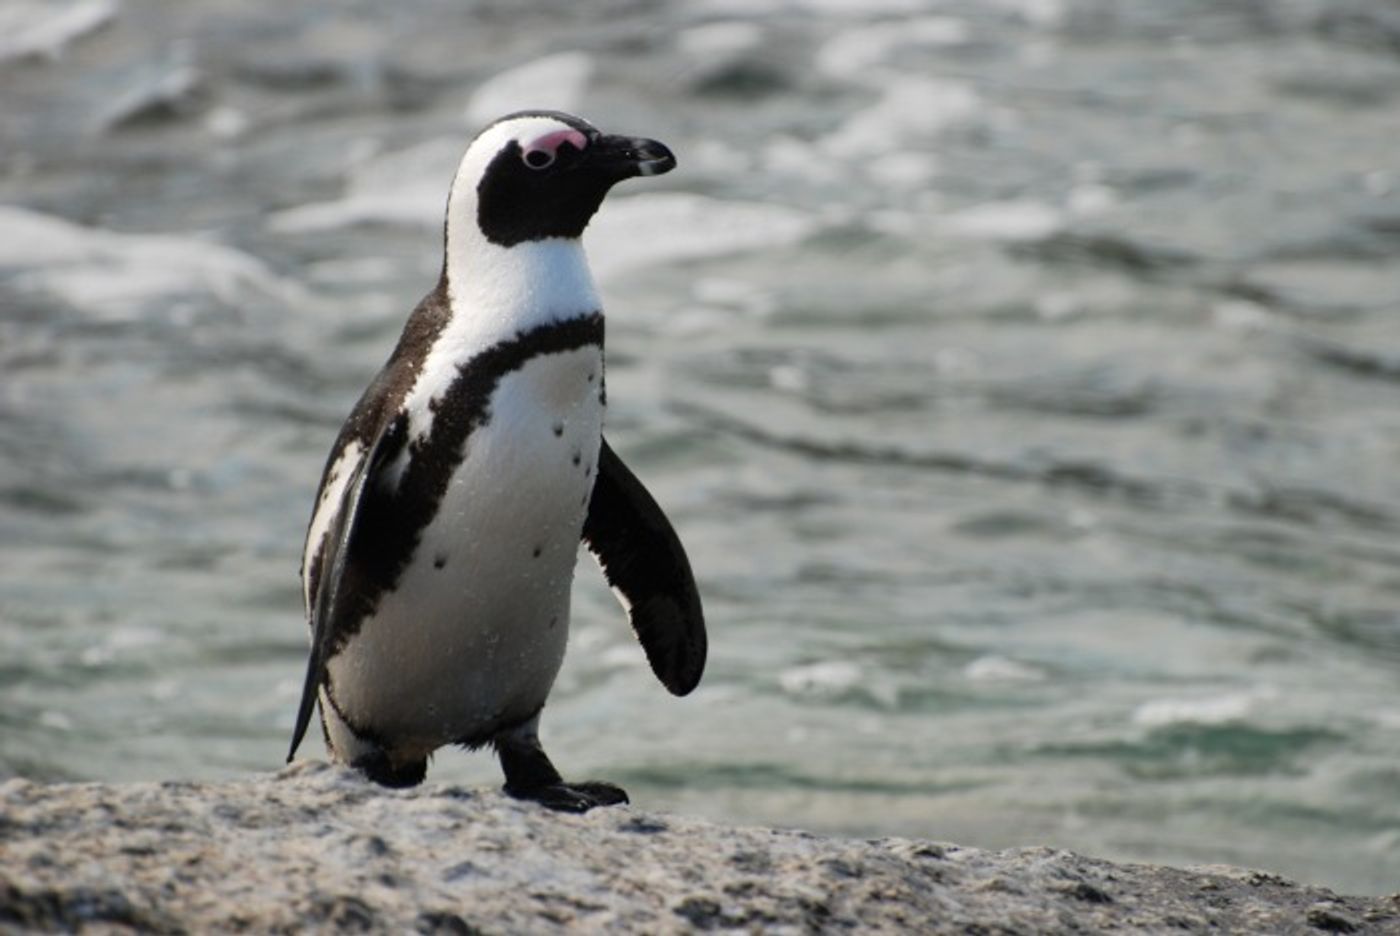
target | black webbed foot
[
  {"x": 571, "y": 797},
  {"x": 379, "y": 768},
  {"x": 531, "y": 776}
]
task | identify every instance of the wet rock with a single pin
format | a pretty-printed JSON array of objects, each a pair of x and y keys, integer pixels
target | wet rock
[{"x": 315, "y": 846}]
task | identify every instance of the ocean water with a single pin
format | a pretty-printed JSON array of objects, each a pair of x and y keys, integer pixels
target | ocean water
[{"x": 1023, "y": 378}]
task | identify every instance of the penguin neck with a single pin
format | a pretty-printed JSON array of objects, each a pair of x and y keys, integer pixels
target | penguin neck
[
  {"x": 496, "y": 292},
  {"x": 494, "y": 295}
]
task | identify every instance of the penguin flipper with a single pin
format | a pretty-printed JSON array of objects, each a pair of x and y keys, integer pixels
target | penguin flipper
[
  {"x": 331, "y": 583},
  {"x": 645, "y": 564}
]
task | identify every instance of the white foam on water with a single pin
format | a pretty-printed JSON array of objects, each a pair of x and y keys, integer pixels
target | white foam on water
[
  {"x": 173, "y": 86},
  {"x": 827, "y": 678},
  {"x": 790, "y": 378},
  {"x": 647, "y": 230},
  {"x": 1207, "y": 710},
  {"x": 906, "y": 170},
  {"x": 894, "y": 223},
  {"x": 555, "y": 82},
  {"x": 1058, "y": 305},
  {"x": 1045, "y": 13},
  {"x": 958, "y": 363},
  {"x": 1240, "y": 315},
  {"x": 227, "y": 123},
  {"x": 861, "y": 8},
  {"x": 740, "y": 295},
  {"x": 622, "y": 656},
  {"x": 353, "y": 271},
  {"x": 409, "y": 206},
  {"x": 1088, "y": 199},
  {"x": 800, "y": 159},
  {"x": 113, "y": 273},
  {"x": 858, "y": 9},
  {"x": 117, "y": 642},
  {"x": 697, "y": 320},
  {"x": 717, "y": 157},
  {"x": 165, "y": 690},
  {"x": 1378, "y": 183},
  {"x": 852, "y": 53},
  {"x": 1014, "y": 220},
  {"x": 719, "y": 40},
  {"x": 910, "y": 109},
  {"x": 1388, "y": 719},
  {"x": 1000, "y": 669},
  {"x": 405, "y": 188},
  {"x": 45, "y": 30},
  {"x": 31, "y": 239},
  {"x": 831, "y": 679},
  {"x": 55, "y": 720}
]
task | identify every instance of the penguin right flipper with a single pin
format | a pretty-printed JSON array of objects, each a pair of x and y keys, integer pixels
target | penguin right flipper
[
  {"x": 335, "y": 576},
  {"x": 645, "y": 564}
]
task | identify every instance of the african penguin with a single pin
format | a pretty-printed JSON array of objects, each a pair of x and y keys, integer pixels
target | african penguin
[{"x": 441, "y": 550}]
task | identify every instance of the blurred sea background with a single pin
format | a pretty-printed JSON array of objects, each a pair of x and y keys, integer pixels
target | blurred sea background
[{"x": 1022, "y": 376}]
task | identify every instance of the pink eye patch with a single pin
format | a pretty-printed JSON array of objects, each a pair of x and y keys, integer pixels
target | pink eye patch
[{"x": 542, "y": 151}]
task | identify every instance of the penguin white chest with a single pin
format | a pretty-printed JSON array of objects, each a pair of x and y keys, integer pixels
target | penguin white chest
[{"x": 473, "y": 635}]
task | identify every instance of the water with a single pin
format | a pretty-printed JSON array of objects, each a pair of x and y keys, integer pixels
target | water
[{"x": 1022, "y": 378}]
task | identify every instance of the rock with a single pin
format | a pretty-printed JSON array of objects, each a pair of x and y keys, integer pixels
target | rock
[{"x": 316, "y": 846}]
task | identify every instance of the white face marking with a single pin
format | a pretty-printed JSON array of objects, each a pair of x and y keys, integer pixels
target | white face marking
[
  {"x": 327, "y": 505},
  {"x": 464, "y": 238}
]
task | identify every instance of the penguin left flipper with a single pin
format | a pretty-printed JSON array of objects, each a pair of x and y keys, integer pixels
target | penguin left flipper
[
  {"x": 645, "y": 564},
  {"x": 334, "y": 579}
]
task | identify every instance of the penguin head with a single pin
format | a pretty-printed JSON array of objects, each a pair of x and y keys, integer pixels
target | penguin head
[{"x": 537, "y": 175}]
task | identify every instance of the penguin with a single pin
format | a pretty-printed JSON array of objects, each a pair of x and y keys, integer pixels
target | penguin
[{"x": 440, "y": 555}]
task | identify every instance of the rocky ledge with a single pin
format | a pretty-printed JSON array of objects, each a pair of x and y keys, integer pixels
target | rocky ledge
[{"x": 315, "y": 846}]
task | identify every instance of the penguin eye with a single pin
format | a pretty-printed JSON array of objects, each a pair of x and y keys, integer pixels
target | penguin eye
[
  {"x": 539, "y": 158},
  {"x": 542, "y": 152}
]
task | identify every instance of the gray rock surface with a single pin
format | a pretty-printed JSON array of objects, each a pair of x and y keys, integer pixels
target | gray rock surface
[{"x": 317, "y": 847}]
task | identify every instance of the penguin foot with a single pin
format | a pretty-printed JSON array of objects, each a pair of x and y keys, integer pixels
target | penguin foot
[
  {"x": 571, "y": 797},
  {"x": 530, "y": 775},
  {"x": 381, "y": 770}
]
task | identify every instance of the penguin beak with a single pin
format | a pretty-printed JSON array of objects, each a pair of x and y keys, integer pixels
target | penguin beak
[{"x": 620, "y": 157}]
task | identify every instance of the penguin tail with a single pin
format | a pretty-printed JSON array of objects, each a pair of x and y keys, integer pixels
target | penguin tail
[{"x": 308, "y": 704}]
